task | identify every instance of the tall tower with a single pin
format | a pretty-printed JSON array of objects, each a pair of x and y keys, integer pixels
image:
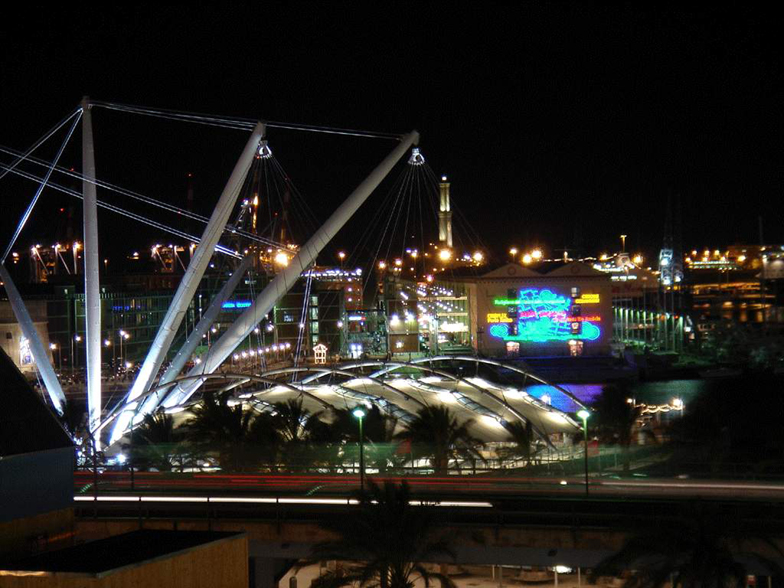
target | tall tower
[{"x": 444, "y": 214}]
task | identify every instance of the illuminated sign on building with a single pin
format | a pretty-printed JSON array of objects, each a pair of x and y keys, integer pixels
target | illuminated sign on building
[
  {"x": 588, "y": 299},
  {"x": 541, "y": 316},
  {"x": 497, "y": 317},
  {"x": 231, "y": 304}
]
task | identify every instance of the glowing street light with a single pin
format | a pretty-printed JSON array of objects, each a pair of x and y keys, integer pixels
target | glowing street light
[
  {"x": 55, "y": 347},
  {"x": 124, "y": 336},
  {"x": 584, "y": 414},
  {"x": 359, "y": 414}
]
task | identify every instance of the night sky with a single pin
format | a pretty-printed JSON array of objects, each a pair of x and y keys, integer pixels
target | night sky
[{"x": 557, "y": 124}]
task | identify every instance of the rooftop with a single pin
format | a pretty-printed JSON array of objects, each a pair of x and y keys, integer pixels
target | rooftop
[{"x": 109, "y": 554}]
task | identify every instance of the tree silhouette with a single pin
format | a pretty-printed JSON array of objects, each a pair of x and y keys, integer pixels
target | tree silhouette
[
  {"x": 436, "y": 435},
  {"x": 699, "y": 547},
  {"x": 218, "y": 426},
  {"x": 304, "y": 437},
  {"x": 615, "y": 418},
  {"x": 523, "y": 437},
  {"x": 378, "y": 430},
  {"x": 155, "y": 443},
  {"x": 387, "y": 541}
]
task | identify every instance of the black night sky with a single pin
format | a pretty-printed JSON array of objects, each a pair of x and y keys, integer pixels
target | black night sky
[{"x": 555, "y": 122}]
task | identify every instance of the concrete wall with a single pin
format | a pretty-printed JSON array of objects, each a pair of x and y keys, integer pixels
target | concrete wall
[
  {"x": 32, "y": 534},
  {"x": 35, "y": 483}
]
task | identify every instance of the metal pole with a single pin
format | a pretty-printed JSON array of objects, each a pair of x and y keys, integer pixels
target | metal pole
[
  {"x": 361, "y": 458},
  {"x": 275, "y": 290},
  {"x": 585, "y": 434},
  {"x": 92, "y": 265},
  {"x": 196, "y": 267},
  {"x": 202, "y": 328},
  {"x": 40, "y": 355}
]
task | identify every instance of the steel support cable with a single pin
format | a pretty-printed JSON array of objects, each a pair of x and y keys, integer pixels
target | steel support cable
[
  {"x": 401, "y": 200},
  {"x": 223, "y": 122},
  {"x": 105, "y": 205},
  {"x": 142, "y": 198},
  {"x": 241, "y": 123},
  {"x": 370, "y": 229},
  {"x": 40, "y": 142},
  {"x": 303, "y": 322},
  {"x": 40, "y": 189},
  {"x": 405, "y": 225},
  {"x": 309, "y": 215},
  {"x": 113, "y": 187},
  {"x": 394, "y": 191},
  {"x": 118, "y": 210},
  {"x": 422, "y": 232}
]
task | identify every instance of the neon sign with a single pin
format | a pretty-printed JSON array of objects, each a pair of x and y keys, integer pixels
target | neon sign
[
  {"x": 497, "y": 317},
  {"x": 541, "y": 316},
  {"x": 231, "y": 304},
  {"x": 588, "y": 299}
]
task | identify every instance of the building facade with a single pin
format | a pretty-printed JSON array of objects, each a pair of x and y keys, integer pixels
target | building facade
[{"x": 544, "y": 310}]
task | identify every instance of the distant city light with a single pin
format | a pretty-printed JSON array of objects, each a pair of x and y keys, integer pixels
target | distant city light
[{"x": 282, "y": 259}]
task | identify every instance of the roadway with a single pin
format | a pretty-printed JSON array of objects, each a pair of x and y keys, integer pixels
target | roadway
[{"x": 467, "y": 487}]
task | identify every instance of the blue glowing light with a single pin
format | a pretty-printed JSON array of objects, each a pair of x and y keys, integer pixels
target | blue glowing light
[
  {"x": 541, "y": 316},
  {"x": 231, "y": 304}
]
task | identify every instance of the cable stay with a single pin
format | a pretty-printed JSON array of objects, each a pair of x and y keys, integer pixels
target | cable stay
[
  {"x": 137, "y": 217},
  {"x": 240, "y": 123}
]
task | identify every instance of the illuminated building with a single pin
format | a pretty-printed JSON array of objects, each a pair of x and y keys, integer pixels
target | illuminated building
[
  {"x": 550, "y": 308},
  {"x": 744, "y": 284}
]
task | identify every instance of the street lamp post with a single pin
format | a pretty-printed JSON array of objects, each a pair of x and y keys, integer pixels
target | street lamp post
[
  {"x": 75, "y": 351},
  {"x": 584, "y": 414},
  {"x": 360, "y": 414},
  {"x": 123, "y": 336},
  {"x": 55, "y": 347}
]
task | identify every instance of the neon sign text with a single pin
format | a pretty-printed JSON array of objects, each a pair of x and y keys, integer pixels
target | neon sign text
[{"x": 542, "y": 316}]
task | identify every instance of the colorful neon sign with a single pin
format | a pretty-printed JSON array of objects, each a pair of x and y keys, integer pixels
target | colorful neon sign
[
  {"x": 541, "y": 316},
  {"x": 588, "y": 299}
]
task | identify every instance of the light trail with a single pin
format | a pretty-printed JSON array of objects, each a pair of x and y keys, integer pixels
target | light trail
[{"x": 268, "y": 500}]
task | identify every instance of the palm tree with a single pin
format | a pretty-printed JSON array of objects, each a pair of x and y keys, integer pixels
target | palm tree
[
  {"x": 302, "y": 433},
  {"x": 387, "y": 542},
  {"x": 523, "y": 437},
  {"x": 436, "y": 434},
  {"x": 155, "y": 443},
  {"x": 224, "y": 428},
  {"x": 378, "y": 430},
  {"x": 265, "y": 440},
  {"x": 697, "y": 548}
]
